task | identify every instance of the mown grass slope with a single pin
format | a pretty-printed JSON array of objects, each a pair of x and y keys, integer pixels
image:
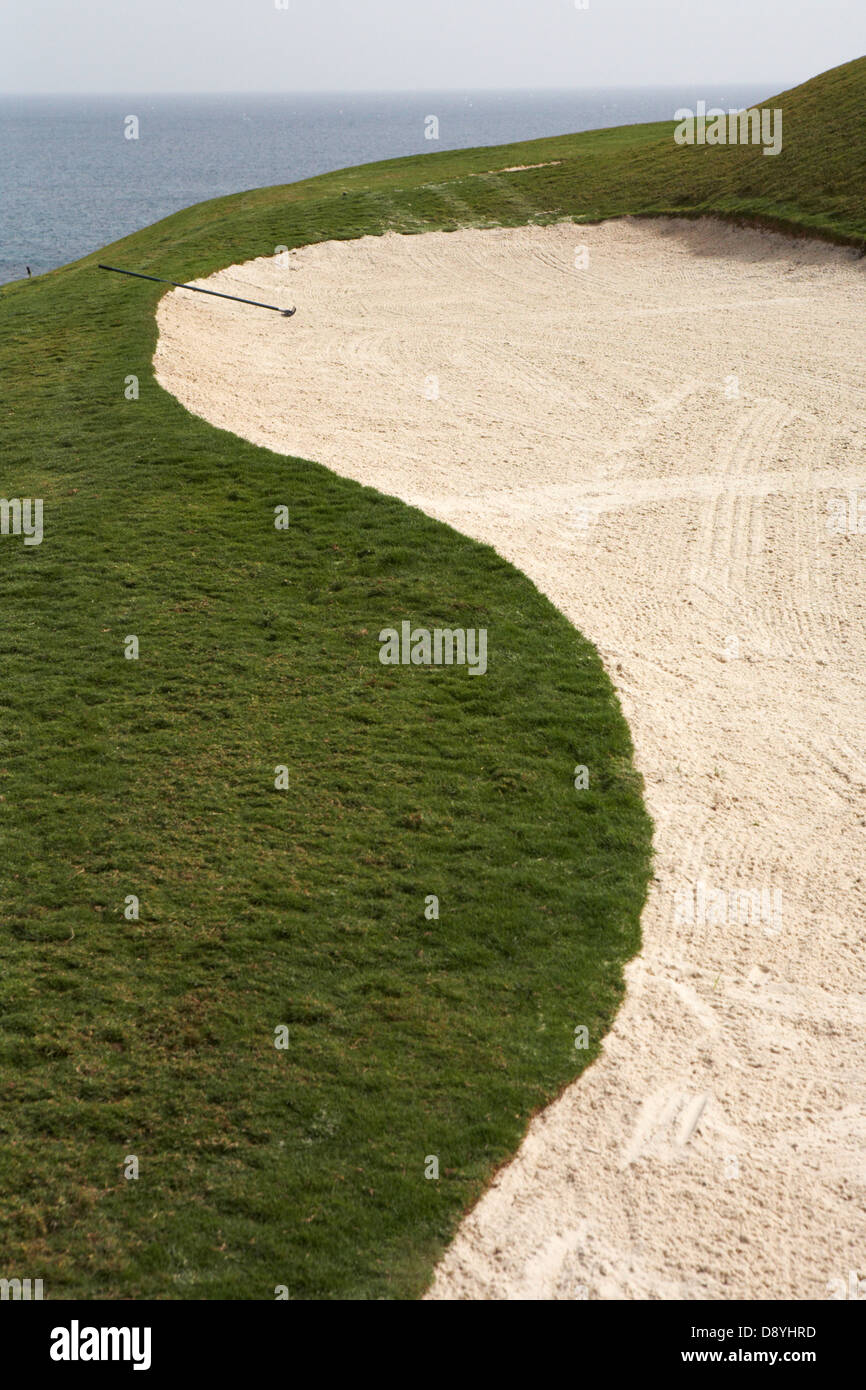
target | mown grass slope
[{"x": 407, "y": 1037}]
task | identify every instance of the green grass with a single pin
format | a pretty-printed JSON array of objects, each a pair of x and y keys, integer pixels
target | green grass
[{"x": 408, "y": 1037}]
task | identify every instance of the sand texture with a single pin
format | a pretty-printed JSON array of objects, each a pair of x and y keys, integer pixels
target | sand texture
[{"x": 652, "y": 429}]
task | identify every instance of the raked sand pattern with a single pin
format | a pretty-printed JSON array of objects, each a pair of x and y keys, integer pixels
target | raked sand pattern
[{"x": 667, "y": 432}]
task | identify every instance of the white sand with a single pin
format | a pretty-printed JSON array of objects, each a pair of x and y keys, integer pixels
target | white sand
[{"x": 588, "y": 427}]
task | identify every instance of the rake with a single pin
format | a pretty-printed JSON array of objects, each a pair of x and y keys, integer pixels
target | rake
[{"x": 286, "y": 313}]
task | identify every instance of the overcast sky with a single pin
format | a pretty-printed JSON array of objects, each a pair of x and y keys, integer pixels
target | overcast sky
[{"x": 126, "y": 46}]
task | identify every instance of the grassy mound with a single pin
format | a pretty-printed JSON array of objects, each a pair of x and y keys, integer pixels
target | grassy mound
[{"x": 408, "y": 1037}]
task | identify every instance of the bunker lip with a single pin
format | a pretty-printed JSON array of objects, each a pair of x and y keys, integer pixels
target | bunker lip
[{"x": 654, "y": 438}]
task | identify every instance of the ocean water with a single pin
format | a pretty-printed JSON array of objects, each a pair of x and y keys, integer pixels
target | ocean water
[{"x": 70, "y": 181}]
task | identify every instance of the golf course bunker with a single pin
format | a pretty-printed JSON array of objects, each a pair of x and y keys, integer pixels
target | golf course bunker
[{"x": 663, "y": 424}]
